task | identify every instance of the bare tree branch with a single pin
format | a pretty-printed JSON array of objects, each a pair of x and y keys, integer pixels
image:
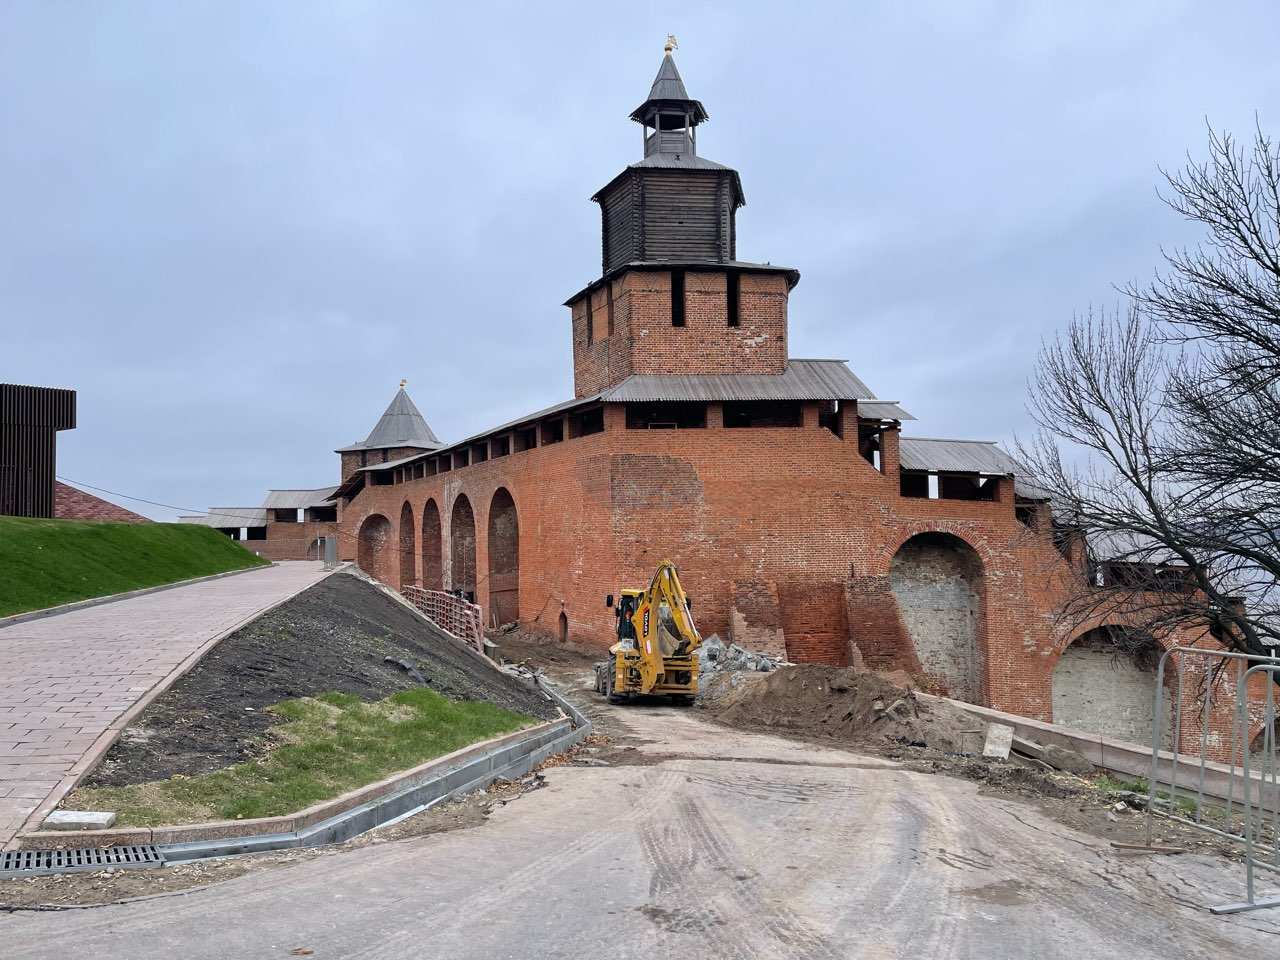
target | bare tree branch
[{"x": 1159, "y": 425}]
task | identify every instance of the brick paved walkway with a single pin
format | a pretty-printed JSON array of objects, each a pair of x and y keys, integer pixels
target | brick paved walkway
[{"x": 65, "y": 680}]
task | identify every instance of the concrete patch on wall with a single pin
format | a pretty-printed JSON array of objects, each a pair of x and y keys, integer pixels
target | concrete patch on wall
[
  {"x": 755, "y": 617},
  {"x": 937, "y": 582},
  {"x": 1101, "y": 689}
]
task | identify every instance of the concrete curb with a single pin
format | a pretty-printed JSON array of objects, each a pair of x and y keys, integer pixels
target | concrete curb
[
  {"x": 127, "y": 595},
  {"x": 1119, "y": 756},
  {"x": 94, "y": 754},
  {"x": 333, "y": 821}
]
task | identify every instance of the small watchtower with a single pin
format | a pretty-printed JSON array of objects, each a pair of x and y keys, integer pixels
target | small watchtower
[
  {"x": 672, "y": 204},
  {"x": 401, "y": 431},
  {"x": 672, "y": 297}
]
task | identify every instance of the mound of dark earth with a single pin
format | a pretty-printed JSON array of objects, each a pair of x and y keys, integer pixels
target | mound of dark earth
[
  {"x": 334, "y": 636},
  {"x": 845, "y": 703}
]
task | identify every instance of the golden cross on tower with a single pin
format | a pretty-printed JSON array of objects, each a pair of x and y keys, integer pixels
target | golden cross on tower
[{"x": 670, "y": 44}]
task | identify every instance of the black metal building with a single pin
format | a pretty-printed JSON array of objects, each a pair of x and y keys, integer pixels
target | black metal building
[{"x": 30, "y": 418}]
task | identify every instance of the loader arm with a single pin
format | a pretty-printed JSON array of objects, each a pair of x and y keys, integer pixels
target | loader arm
[{"x": 663, "y": 624}]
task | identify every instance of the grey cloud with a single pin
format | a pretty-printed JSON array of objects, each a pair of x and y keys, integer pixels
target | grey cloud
[{"x": 234, "y": 227}]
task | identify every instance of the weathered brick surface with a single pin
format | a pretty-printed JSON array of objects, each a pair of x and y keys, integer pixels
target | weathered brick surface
[
  {"x": 353, "y": 460},
  {"x": 644, "y": 341},
  {"x": 814, "y": 623},
  {"x": 292, "y": 541},
  {"x": 70, "y": 503}
]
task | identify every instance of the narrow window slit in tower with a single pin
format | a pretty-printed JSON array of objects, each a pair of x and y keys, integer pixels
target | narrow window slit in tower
[{"x": 677, "y": 298}]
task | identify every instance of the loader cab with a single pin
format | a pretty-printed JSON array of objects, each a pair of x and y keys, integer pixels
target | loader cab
[{"x": 624, "y": 611}]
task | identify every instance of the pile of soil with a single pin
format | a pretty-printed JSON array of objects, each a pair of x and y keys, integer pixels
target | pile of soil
[
  {"x": 845, "y": 703},
  {"x": 880, "y": 713},
  {"x": 335, "y": 636}
]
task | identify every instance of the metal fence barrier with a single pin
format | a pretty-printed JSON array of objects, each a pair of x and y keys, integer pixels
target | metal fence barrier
[
  {"x": 452, "y": 614},
  {"x": 1221, "y": 677}
]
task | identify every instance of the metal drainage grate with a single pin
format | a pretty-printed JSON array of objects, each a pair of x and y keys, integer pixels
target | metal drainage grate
[{"x": 43, "y": 863}]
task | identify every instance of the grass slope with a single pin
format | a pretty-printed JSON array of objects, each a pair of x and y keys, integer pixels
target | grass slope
[
  {"x": 327, "y": 745},
  {"x": 47, "y": 562}
]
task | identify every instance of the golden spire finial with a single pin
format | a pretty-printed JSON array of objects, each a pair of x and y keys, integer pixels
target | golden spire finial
[
  {"x": 403, "y": 381},
  {"x": 671, "y": 43}
]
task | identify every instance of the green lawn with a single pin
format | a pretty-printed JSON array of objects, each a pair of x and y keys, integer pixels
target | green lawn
[
  {"x": 330, "y": 744},
  {"x": 47, "y": 562}
]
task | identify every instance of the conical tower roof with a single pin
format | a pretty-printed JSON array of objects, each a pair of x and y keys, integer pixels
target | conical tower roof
[
  {"x": 668, "y": 91},
  {"x": 401, "y": 425},
  {"x": 668, "y": 85}
]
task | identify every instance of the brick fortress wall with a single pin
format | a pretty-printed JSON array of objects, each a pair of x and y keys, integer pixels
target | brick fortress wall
[{"x": 798, "y": 560}]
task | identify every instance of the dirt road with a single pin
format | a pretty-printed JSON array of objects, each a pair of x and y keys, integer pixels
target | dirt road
[{"x": 701, "y": 842}]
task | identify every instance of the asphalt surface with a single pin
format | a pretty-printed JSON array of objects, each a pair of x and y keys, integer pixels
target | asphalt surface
[{"x": 716, "y": 844}]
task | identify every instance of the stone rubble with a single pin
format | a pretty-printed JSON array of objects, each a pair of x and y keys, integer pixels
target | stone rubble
[{"x": 715, "y": 657}]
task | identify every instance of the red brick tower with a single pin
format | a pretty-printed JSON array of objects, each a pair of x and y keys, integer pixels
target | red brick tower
[{"x": 672, "y": 298}]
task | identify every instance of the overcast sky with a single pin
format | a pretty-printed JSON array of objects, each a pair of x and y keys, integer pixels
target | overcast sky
[{"x": 234, "y": 228}]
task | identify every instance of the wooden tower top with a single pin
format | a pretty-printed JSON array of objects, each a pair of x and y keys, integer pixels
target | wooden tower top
[{"x": 672, "y": 205}]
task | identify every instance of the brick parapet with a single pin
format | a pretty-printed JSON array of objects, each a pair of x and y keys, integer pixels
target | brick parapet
[{"x": 645, "y": 341}]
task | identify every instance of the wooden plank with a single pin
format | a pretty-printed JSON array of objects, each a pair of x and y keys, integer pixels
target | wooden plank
[{"x": 1144, "y": 848}]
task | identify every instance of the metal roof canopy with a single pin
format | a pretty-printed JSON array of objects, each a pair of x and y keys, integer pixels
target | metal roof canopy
[
  {"x": 391, "y": 464},
  {"x": 528, "y": 419},
  {"x": 1026, "y": 490},
  {"x": 882, "y": 410},
  {"x": 802, "y": 380},
  {"x": 230, "y": 517},
  {"x": 242, "y": 516},
  {"x": 298, "y": 499},
  {"x": 955, "y": 456}
]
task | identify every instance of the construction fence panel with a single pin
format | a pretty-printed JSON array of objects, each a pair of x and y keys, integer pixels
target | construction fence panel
[
  {"x": 453, "y": 614},
  {"x": 1219, "y": 721}
]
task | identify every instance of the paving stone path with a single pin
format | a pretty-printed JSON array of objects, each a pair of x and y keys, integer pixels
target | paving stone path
[{"x": 66, "y": 679}]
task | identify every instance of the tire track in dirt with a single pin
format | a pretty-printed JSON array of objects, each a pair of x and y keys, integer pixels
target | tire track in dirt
[
  {"x": 534, "y": 877},
  {"x": 694, "y": 861}
]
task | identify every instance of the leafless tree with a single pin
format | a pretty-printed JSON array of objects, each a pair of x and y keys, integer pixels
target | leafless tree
[{"x": 1159, "y": 439}]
